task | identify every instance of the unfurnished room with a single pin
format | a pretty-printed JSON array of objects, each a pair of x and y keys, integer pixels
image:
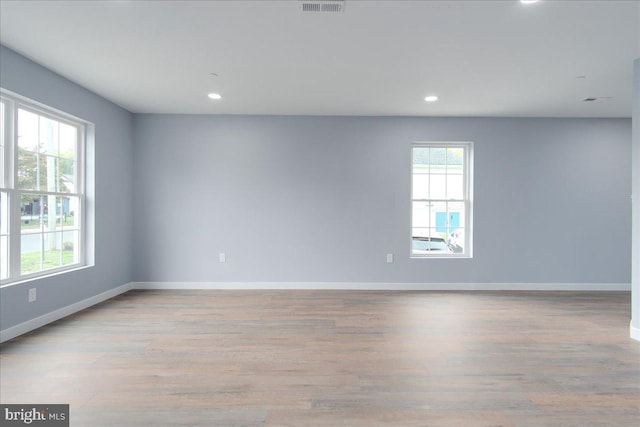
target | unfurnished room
[{"x": 320, "y": 213}]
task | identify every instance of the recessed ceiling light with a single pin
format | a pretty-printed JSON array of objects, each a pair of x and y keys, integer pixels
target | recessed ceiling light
[
  {"x": 528, "y": 1},
  {"x": 431, "y": 98},
  {"x": 214, "y": 95}
]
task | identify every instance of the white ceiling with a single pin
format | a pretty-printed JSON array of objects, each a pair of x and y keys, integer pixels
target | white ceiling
[{"x": 482, "y": 58}]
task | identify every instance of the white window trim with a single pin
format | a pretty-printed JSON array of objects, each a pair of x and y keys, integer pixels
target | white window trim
[
  {"x": 15, "y": 101},
  {"x": 468, "y": 183}
]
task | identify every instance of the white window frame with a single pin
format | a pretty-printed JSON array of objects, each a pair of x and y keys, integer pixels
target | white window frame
[
  {"x": 467, "y": 198},
  {"x": 13, "y": 102}
]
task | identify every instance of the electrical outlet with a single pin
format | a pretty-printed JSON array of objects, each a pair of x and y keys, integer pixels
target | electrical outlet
[
  {"x": 32, "y": 295},
  {"x": 389, "y": 258},
  {"x": 222, "y": 257}
]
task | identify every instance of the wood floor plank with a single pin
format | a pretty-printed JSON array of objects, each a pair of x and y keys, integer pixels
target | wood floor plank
[{"x": 335, "y": 358}]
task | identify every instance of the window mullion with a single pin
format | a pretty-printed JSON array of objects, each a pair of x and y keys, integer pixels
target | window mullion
[{"x": 50, "y": 193}]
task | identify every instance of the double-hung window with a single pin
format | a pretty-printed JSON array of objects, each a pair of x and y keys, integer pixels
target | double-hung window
[
  {"x": 441, "y": 199},
  {"x": 42, "y": 194}
]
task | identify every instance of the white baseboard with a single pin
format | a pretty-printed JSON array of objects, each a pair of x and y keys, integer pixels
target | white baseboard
[
  {"x": 634, "y": 332},
  {"x": 30, "y": 325},
  {"x": 388, "y": 286}
]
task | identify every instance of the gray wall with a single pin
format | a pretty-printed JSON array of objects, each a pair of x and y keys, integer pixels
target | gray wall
[
  {"x": 323, "y": 199},
  {"x": 113, "y": 192}
]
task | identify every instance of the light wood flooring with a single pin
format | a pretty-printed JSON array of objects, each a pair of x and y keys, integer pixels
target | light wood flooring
[{"x": 335, "y": 358}]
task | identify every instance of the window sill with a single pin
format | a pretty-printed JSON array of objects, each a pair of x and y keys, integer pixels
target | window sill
[
  {"x": 441, "y": 257},
  {"x": 46, "y": 275}
]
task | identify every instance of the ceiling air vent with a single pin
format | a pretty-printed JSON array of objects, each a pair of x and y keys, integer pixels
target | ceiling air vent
[
  {"x": 596, "y": 98},
  {"x": 335, "y": 6}
]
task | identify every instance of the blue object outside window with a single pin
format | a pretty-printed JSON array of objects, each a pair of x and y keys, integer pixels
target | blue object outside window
[{"x": 441, "y": 222}]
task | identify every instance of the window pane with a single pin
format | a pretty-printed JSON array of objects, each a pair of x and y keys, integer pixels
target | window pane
[
  {"x": 420, "y": 186},
  {"x": 52, "y": 250},
  {"x": 30, "y": 253},
  {"x": 456, "y": 214},
  {"x": 59, "y": 217},
  {"x": 67, "y": 165},
  {"x": 52, "y": 259},
  {"x": 437, "y": 187},
  {"x": 70, "y": 247},
  {"x": 429, "y": 244},
  {"x": 457, "y": 241},
  {"x": 68, "y": 141},
  {"x": 31, "y": 213},
  {"x": 48, "y": 173},
  {"x": 454, "y": 158},
  {"x": 28, "y": 130},
  {"x": 48, "y": 136},
  {"x": 455, "y": 169},
  {"x": 438, "y": 216},
  {"x": 437, "y": 159},
  {"x": 420, "y": 158},
  {"x": 66, "y": 213},
  {"x": 67, "y": 176},
  {"x": 28, "y": 169},
  {"x": 419, "y": 232},
  {"x": 455, "y": 187},
  {"x": 455, "y": 226},
  {"x": 69, "y": 212},
  {"x": 49, "y": 212},
  {"x": 41, "y": 251},
  {"x": 420, "y": 214}
]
